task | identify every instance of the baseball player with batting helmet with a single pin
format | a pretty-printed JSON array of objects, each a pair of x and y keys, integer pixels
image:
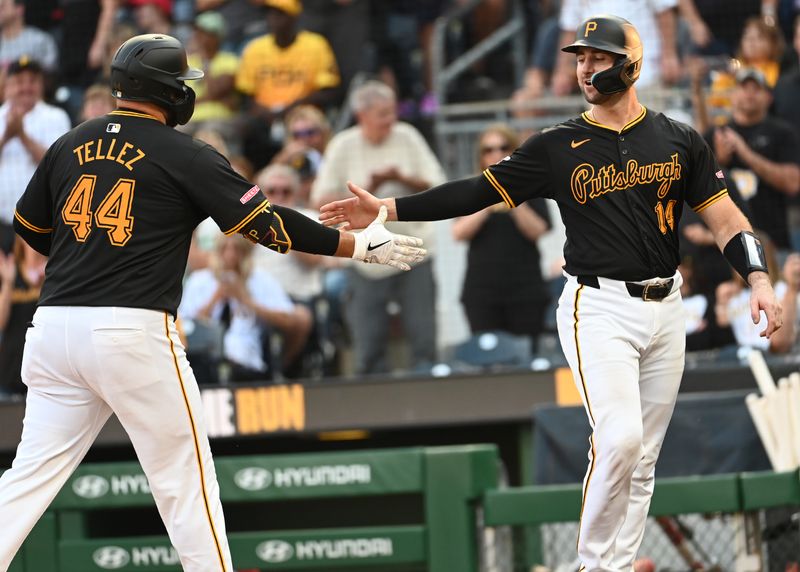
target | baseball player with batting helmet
[
  {"x": 113, "y": 204},
  {"x": 621, "y": 175}
]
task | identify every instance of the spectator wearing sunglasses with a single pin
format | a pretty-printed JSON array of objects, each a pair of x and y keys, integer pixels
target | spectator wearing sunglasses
[
  {"x": 503, "y": 286},
  {"x": 308, "y": 133}
]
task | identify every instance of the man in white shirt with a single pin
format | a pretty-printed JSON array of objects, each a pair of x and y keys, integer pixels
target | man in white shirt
[
  {"x": 389, "y": 158},
  {"x": 28, "y": 126}
]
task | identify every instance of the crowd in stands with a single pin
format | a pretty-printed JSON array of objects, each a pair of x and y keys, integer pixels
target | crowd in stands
[{"x": 280, "y": 74}]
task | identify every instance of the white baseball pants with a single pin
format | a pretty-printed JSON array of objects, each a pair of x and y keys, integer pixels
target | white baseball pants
[
  {"x": 80, "y": 365},
  {"x": 627, "y": 359}
]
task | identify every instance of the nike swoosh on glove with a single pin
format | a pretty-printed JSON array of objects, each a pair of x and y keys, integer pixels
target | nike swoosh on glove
[{"x": 376, "y": 244}]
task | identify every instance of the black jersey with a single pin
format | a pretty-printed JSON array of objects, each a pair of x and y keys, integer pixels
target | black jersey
[
  {"x": 120, "y": 196},
  {"x": 620, "y": 193}
]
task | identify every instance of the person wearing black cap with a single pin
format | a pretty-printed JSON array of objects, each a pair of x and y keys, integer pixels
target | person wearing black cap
[
  {"x": 762, "y": 154},
  {"x": 621, "y": 175},
  {"x": 28, "y": 126}
]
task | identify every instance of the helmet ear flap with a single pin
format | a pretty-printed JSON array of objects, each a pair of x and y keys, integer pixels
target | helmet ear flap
[
  {"x": 181, "y": 111},
  {"x": 615, "y": 79}
]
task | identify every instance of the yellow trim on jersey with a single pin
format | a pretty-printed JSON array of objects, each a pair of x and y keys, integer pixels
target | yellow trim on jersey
[
  {"x": 588, "y": 407},
  {"x": 627, "y": 126},
  {"x": 710, "y": 201},
  {"x": 288, "y": 242},
  {"x": 133, "y": 114},
  {"x": 499, "y": 188},
  {"x": 196, "y": 443},
  {"x": 586, "y": 488},
  {"x": 253, "y": 214},
  {"x": 30, "y": 226},
  {"x": 578, "y": 351}
]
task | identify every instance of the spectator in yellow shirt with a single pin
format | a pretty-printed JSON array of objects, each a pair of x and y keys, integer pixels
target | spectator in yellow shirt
[
  {"x": 280, "y": 70},
  {"x": 216, "y": 94}
]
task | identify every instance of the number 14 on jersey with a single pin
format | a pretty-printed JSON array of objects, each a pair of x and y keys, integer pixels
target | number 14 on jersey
[
  {"x": 666, "y": 216},
  {"x": 114, "y": 213}
]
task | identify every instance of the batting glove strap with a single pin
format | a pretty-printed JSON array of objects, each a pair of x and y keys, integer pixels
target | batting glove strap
[{"x": 375, "y": 244}]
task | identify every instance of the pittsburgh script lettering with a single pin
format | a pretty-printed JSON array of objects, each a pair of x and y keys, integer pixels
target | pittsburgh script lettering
[{"x": 585, "y": 184}]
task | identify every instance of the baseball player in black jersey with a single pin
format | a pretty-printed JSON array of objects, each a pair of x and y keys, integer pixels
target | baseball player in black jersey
[
  {"x": 621, "y": 175},
  {"x": 113, "y": 204}
]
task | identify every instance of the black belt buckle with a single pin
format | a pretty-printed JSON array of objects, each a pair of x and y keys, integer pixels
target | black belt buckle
[
  {"x": 656, "y": 291},
  {"x": 648, "y": 297}
]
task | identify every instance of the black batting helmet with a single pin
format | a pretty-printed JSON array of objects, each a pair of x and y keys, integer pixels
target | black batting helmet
[
  {"x": 617, "y": 36},
  {"x": 153, "y": 67}
]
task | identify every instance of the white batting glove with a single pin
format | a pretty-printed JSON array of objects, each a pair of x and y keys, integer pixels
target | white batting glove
[{"x": 376, "y": 244}]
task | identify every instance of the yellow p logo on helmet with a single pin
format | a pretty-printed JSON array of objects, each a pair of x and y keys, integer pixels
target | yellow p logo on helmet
[{"x": 591, "y": 26}]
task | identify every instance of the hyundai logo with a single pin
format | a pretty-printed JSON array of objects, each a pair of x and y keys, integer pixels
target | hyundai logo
[
  {"x": 111, "y": 557},
  {"x": 253, "y": 478},
  {"x": 274, "y": 551},
  {"x": 90, "y": 486}
]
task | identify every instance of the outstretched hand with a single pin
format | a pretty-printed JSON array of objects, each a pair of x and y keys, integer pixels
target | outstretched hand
[{"x": 356, "y": 212}]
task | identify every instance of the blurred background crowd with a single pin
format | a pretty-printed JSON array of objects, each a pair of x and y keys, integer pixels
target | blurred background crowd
[{"x": 397, "y": 96}]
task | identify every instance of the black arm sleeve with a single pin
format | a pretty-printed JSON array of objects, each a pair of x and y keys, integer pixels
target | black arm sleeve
[
  {"x": 39, "y": 241},
  {"x": 307, "y": 235},
  {"x": 448, "y": 200}
]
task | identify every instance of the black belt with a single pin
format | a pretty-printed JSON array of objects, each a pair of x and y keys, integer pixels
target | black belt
[{"x": 654, "y": 292}]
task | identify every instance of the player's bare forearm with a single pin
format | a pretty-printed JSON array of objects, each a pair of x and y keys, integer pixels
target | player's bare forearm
[{"x": 725, "y": 220}]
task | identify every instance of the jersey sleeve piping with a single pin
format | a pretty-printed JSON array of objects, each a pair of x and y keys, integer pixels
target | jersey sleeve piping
[
  {"x": 499, "y": 188},
  {"x": 710, "y": 201},
  {"x": 30, "y": 226},
  {"x": 248, "y": 218}
]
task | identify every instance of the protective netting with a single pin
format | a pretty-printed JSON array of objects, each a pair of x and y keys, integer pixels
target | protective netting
[{"x": 767, "y": 540}]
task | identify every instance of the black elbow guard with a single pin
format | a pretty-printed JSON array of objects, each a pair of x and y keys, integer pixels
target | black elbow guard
[{"x": 746, "y": 254}]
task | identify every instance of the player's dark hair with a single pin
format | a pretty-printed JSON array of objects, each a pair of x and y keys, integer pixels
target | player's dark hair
[{"x": 153, "y": 68}]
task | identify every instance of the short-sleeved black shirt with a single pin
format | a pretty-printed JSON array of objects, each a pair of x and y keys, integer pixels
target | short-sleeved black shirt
[
  {"x": 620, "y": 193},
  {"x": 498, "y": 247},
  {"x": 121, "y": 195},
  {"x": 775, "y": 140}
]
